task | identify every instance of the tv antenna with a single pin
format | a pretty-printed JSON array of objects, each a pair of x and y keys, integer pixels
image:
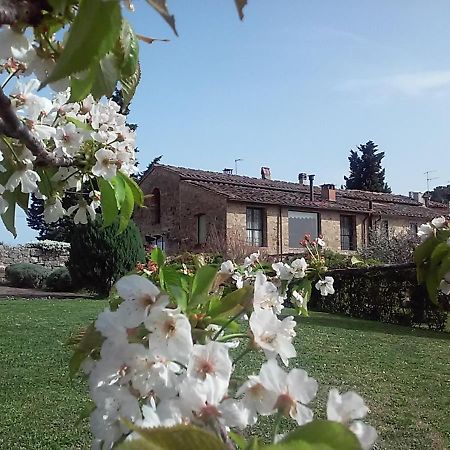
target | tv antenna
[
  {"x": 236, "y": 165},
  {"x": 429, "y": 178}
]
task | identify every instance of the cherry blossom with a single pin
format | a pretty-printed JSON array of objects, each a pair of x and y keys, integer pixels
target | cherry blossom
[{"x": 325, "y": 286}]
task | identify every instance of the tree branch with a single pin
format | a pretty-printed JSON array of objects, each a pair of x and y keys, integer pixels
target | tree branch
[
  {"x": 28, "y": 12},
  {"x": 12, "y": 126}
]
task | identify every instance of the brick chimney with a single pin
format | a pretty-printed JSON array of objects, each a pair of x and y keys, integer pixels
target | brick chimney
[
  {"x": 265, "y": 173},
  {"x": 228, "y": 171},
  {"x": 426, "y": 199},
  {"x": 329, "y": 192},
  {"x": 302, "y": 177}
]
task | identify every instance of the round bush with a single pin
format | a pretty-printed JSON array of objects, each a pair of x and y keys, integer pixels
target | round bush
[
  {"x": 59, "y": 280},
  {"x": 26, "y": 275},
  {"x": 99, "y": 255}
]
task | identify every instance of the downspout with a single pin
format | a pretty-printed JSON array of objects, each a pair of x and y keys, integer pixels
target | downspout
[{"x": 280, "y": 218}]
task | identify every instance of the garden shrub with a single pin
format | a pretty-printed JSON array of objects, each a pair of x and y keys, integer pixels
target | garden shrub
[
  {"x": 99, "y": 255},
  {"x": 26, "y": 275},
  {"x": 384, "y": 293},
  {"x": 59, "y": 280}
]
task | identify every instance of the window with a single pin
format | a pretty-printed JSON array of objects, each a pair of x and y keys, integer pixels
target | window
[
  {"x": 348, "y": 233},
  {"x": 156, "y": 241},
  {"x": 301, "y": 223},
  {"x": 201, "y": 229},
  {"x": 155, "y": 207},
  {"x": 255, "y": 226},
  {"x": 384, "y": 228}
]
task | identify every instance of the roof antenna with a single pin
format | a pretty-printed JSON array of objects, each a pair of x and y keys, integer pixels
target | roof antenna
[
  {"x": 236, "y": 165},
  {"x": 427, "y": 173}
]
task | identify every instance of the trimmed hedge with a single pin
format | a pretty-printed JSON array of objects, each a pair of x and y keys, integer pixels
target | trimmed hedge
[
  {"x": 26, "y": 275},
  {"x": 385, "y": 293},
  {"x": 59, "y": 280}
]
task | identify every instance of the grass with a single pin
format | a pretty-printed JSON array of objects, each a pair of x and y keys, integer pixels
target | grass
[{"x": 403, "y": 374}]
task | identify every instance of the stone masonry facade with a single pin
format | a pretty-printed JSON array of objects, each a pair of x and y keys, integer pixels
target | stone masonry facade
[
  {"x": 32, "y": 253},
  {"x": 183, "y": 204}
]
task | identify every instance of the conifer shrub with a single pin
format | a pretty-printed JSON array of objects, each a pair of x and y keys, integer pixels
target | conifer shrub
[
  {"x": 59, "y": 280},
  {"x": 99, "y": 255},
  {"x": 26, "y": 275}
]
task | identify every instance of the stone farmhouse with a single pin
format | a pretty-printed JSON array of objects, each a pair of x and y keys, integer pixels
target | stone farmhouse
[{"x": 195, "y": 210}]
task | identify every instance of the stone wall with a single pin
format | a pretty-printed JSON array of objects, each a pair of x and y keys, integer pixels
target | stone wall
[{"x": 50, "y": 256}]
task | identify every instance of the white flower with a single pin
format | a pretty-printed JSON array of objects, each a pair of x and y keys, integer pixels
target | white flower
[
  {"x": 299, "y": 266},
  {"x": 439, "y": 222},
  {"x": 3, "y": 203},
  {"x": 237, "y": 277},
  {"x": 266, "y": 295},
  {"x": 347, "y": 408},
  {"x": 252, "y": 259},
  {"x": 170, "y": 334},
  {"x": 321, "y": 242},
  {"x": 140, "y": 295},
  {"x": 283, "y": 271},
  {"x": 257, "y": 399},
  {"x": 68, "y": 139},
  {"x": 27, "y": 179},
  {"x": 425, "y": 231},
  {"x": 298, "y": 299},
  {"x": 53, "y": 210},
  {"x": 325, "y": 286},
  {"x": 273, "y": 335},
  {"x": 27, "y": 102},
  {"x": 105, "y": 166},
  {"x": 109, "y": 325},
  {"x": 227, "y": 267},
  {"x": 13, "y": 44},
  {"x": 70, "y": 176},
  {"x": 82, "y": 210},
  {"x": 293, "y": 390},
  {"x": 211, "y": 359}
]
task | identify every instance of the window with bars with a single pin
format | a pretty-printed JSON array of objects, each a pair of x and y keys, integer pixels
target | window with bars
[
  {"x": 255, "y": 226},
  {"x": 301, "y": 223},
  {"x": 348, "y": 233}
]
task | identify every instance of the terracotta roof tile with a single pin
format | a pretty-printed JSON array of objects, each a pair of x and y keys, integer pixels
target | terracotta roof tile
[{"x": 274, "y": 192}]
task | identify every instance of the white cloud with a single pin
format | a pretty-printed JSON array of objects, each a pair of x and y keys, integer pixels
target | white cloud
[{"x": 405, "y": 84}]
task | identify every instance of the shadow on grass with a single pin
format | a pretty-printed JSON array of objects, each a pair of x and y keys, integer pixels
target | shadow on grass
[{"x": 348, "y": 323}]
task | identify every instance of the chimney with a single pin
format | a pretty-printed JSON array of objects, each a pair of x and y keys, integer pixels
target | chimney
[
  {"x": 426, "y": 199},
  {"x": 417, "y": 196},
  {"x": 302, "y": 177},
  {"x": 265, "y": 173},
  {"x": 311, "y": 187},
  {"x": 228, "y": 171},
  {"x": 329, "y": 192}
]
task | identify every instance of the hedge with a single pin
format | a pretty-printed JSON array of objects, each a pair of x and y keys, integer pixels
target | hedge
[{"x": 388, "y": 294}]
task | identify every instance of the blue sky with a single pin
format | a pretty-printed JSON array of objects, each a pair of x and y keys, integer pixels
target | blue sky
[{"x": 295, "y": 87}]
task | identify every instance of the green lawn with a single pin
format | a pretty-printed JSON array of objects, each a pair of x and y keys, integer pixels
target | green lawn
[{"x": 403, "y": 374}]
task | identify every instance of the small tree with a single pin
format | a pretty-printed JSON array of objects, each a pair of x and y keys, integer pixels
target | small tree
[
  {"x": 98, "y": 255},
  {"x": 366, "y": 172}
]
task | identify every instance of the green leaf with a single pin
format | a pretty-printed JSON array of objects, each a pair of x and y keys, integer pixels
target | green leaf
[
  {"x": 320, "y": 435},
  {"x": 118, "y": 185},
  {"x": 129, "y": 85},
  {"x": 105, "y": 76},
  {"x": 126, "y": 209},
  {"x": 81, "y": 85},
  {"x": 161, "y": 7},
  {"x": 424, "y": 250},
  {"x": 75, "y": 362},
  {"x": 239, "y": 440},
  {"x": 9, "y": 216},
  {"x": 108, "y": 201},
  {"x": 137, "y": 191},
  {"x": 179, "y": 294},
  {"x": 186, "y": 437},
  {"x": 202, "y": 284},
  {"x": 158, "y": 256},
  {"x": 92, "y": 35},
  {"x": 129, "y": 50},
  {"x": 79, "y": 124},
  {"x": 233, "y": 302}
]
